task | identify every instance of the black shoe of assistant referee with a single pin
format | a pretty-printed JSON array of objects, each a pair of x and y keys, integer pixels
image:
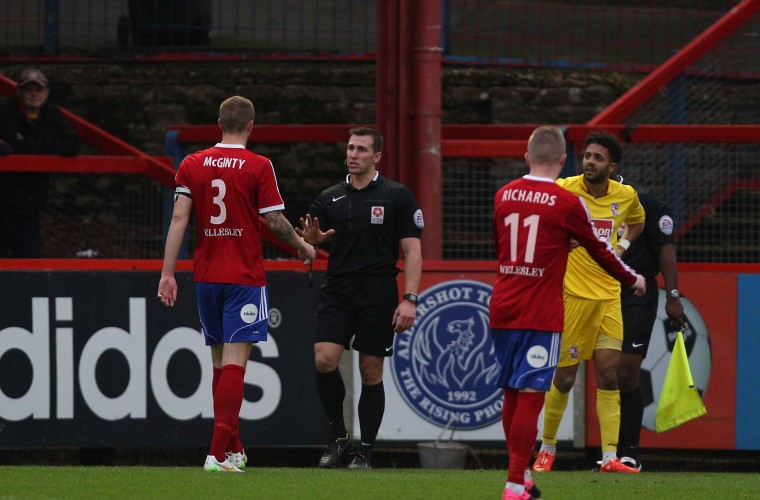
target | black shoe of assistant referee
[
  {"x": 335, "y": 449},
  {"x": 360, "y": 461}
]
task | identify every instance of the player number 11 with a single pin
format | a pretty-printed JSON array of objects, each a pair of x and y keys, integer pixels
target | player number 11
[{"x": 531, "y": 222}]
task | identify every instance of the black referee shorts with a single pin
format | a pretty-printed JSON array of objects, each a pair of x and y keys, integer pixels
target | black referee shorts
[
  {"x": 358, "y": 306},
  {"x": 639, "y": 315}
]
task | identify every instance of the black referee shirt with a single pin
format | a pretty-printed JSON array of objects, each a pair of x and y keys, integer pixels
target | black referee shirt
[
  {"x": 368, "y": 223},
  {"x": 658, "y": 231}
]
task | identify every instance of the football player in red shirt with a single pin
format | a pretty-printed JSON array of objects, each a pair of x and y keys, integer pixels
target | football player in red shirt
[
  {"x": 228, "y": 188},
  {"x": 534, "y": 222}
]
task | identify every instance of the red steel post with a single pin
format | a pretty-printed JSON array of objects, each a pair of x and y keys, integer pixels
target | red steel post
[
  {"x": 426, "y": 122},
  {"x": 386, "y": 84}
]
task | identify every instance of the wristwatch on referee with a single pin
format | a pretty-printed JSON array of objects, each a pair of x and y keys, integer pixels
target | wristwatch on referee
[
  {"x": 411, "y": 298},
  {"x": 674, "y": 293}
]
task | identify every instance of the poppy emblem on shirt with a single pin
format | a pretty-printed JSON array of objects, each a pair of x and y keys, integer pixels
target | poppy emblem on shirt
[{"x": 378, "y": 213}]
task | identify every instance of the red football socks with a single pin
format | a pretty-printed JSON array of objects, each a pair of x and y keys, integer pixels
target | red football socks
[
  {"x": 522, "y": 434},
  {"x": 228, "y": 397}
]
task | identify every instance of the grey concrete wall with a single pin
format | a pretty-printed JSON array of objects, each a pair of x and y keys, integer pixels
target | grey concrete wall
[{"x": 137, "y": 102}]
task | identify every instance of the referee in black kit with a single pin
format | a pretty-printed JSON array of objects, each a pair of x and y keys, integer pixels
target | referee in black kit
[
  {"x": 652, "y": 252},
  {"x": 366, "y": 217}
]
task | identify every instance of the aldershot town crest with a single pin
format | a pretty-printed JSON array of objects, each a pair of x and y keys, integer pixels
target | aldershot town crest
[{"x": 445, "y": 366}]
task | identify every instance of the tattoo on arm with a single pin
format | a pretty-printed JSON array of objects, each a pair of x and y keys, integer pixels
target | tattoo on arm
[{"x": 279, "y": 225}]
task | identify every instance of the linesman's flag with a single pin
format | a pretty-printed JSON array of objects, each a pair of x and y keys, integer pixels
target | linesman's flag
[{"x": 679, "y": 400}]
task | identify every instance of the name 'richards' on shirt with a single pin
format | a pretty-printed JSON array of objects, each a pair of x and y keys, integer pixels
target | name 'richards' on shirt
[{"x": 526, "y": 196}]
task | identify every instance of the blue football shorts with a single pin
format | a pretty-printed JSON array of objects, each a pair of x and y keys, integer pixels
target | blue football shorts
[
  {"x": 526, "y": 358},
  {"x": 232, "y": 313}
]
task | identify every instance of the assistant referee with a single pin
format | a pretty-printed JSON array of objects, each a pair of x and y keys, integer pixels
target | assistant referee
[
  {"x": 653, "y": 252},
  {"x": 366, "y": 218}
]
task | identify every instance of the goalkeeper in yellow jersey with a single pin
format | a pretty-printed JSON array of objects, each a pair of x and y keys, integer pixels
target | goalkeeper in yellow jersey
[{"x": 593, "y": 326}]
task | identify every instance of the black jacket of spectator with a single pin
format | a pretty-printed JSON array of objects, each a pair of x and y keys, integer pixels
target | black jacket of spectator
[{"x": 22, "y": 194}]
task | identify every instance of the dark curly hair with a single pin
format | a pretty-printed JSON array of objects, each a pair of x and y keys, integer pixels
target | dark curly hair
[{"x": 609, "y": 141}]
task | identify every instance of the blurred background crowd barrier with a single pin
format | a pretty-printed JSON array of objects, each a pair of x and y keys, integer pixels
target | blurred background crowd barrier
[
  {"x": 709, "y": 178},
  {"x": 594, "y": 34}
]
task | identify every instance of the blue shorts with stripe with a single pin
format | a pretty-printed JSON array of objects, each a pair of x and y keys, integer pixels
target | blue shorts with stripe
[
  {"x": 526, "y": 358},
  {"x": 232, "y": 313}
]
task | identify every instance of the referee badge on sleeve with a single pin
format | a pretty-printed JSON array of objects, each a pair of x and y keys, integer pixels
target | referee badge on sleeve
[
  {"x": 418, "y": 220},
  {"x": 666, "y": 225}
]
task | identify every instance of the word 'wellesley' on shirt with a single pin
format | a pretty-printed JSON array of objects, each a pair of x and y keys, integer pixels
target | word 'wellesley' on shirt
[
  {"x": 223, "y": 231},
  {"x": 210, "y": 161},
  {"x": 522, "y": 270},
  {"x": 529, "y": 196}
]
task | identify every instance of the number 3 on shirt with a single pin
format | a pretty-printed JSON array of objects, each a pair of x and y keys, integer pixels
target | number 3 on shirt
[
  {"x": 531, "y": 223},
  {"x": 218, "y": 200}
]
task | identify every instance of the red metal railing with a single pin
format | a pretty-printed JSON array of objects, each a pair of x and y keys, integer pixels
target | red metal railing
[
  {"x": 108, "y": 143},
  {"x": 664, "y": 73}
]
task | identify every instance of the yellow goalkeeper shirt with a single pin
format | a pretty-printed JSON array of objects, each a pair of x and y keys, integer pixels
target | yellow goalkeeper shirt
[{"x": 584, "y": 278}]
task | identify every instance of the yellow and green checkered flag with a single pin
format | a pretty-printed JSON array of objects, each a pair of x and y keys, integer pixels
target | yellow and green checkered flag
[{"x": 679, "y": 399}]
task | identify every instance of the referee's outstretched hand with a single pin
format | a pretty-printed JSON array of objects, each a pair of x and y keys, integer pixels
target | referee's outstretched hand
[{"x": 310, "y": 231}]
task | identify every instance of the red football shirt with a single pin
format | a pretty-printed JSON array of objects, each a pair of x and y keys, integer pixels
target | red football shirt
[
  {"x": 534, "y": 220},
  {"x": 230, "y": 186}
]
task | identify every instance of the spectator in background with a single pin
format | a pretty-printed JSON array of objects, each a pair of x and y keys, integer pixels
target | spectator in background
[
  {"x": 31, "y": 125},
  {"x": 652, "y": 252}
]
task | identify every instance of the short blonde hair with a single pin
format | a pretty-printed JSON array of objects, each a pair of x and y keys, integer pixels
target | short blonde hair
[
  {"x": 546, "y": 145},
  {"x": 235, "y": 113}
]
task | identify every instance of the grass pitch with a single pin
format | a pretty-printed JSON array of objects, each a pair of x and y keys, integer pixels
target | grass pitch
[{"x": 290, "y": 483}]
